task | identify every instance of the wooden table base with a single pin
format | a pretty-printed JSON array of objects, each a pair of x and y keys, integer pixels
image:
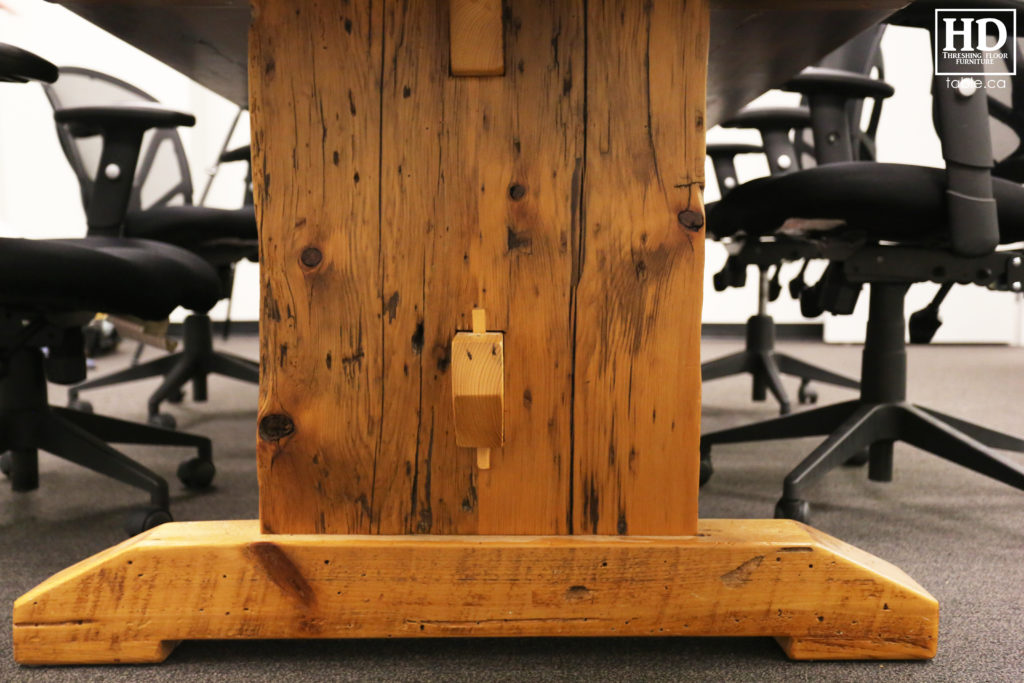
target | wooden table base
[{"x": 821, "y": 598}]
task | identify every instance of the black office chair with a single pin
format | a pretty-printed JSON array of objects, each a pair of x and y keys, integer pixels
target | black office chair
[
  {"x": 779, "y": 129},
  {"x": 160, "y": 208},
  {"x": 48, "y": 290},
  {"x": 887, "y": 225},
  {"x": 1008, "y": 145},
  {"x": 782, "y": 132}
]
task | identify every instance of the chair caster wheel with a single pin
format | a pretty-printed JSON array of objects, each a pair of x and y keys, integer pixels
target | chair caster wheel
[
  {"x": 177, "y": 397},
  {"x": 858, "y": 460},
  {"x": 196, "y": 473},
  {"x": 793, "y": 508},
  {"x": 80, "y": 405},
  {"x": 805, "y": 394},
  {"x": 5, "y": 464},
  {"x": 163, "y": 420},
  {"x": 706, "y": 468},
  {"x": 145, "y": 518}
]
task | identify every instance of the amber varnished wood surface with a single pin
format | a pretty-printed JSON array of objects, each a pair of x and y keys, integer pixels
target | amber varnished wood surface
[
  {"x": 454, "y": 193},
  {"x": 226, "y": 580},
  {"x": 637, "y": 300},
  {"x": 567, "y": 206},
  {"x": 476, "y": 37}
]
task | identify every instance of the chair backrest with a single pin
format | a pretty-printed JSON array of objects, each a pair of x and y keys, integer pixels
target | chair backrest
[{"x": 162, "y": 177}]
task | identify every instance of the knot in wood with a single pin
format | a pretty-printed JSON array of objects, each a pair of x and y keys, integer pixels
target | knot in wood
[
  {"x": 275, "y": 427},
  {"x": 311, "y": 257},
  {"x": 691, "y": 220},
  {"x": 516, "y": 192}
]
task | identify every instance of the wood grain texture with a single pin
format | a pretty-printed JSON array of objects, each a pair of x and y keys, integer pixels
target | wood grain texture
[
  {"x": 316, "y": 176},
  {"x": 475, "y": 209},
  {"x": 415, "y": 339},
  {"x": 568, "y": 208},
  {"x": 477, "y": 38},
  {"x": 541, "y": 110},
  {"x": 641, "y": 257},
  {"x": 226, "y": 580}
]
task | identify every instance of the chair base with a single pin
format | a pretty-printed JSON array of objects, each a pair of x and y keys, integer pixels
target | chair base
[
  {"x": 194, "y": 363},
  {"x": 820, "y": 597},
  {"x": 854, "y": 426},
  {"x": 28, "y": 424},
  {"x": 767, "y": 366},
  {"x": 874, "y": 422}
]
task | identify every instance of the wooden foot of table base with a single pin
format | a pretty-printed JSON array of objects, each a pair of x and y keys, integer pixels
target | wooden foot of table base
[{"x": 822, "y": 598}]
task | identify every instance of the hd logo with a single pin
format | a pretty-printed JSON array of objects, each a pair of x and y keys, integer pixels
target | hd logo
[{"x": 975, "y": 42}]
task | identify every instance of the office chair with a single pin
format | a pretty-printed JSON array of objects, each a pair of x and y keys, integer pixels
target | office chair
[
  {"x": 784, "y": 146},
  {"x": 1008, "y": 146},
  {"x": 759, "y": 357},
  {"x": 159, "y": 208},
  {"x": 48, "y": 290},
  {"x": 886, "y": 225}
]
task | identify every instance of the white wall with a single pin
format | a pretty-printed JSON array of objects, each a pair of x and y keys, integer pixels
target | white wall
[
  {"x": 905, "y": 135},
  {"x": 39, "y": 195}
]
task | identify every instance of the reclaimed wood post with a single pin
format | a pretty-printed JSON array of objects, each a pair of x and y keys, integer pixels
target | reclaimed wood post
[{"x": 563, "y": 197}]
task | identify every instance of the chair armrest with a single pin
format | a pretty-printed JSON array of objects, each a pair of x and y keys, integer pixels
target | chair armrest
[
  {"x": 732, "y": 149},
  {"x": 847, "y": 84},
  {"x": 140, "y": 116},
  {"x": 20, "y": 66},
  {"x": 963, "y": 122},
  {"x": 775, "y": 124},
  {"x": 121, "y": 128},
  {"x": 770, "y": 118},
  {"x": 829, "y": 92},
  {"x": 723, "y": 158},
  {"x": 239, "y": 154}
]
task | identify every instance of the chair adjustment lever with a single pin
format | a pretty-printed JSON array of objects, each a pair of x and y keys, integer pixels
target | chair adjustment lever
[
  {"x": 923, "y": 324},
  {"x": 833, "y": 293},
  {"x": 799, "y": 283},
  {"x": 774, "y": 286},
  {"x": 732, "y": 274}
]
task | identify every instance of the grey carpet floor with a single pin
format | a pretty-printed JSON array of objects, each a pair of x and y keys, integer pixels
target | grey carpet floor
[{"x": 959, "y": 534}]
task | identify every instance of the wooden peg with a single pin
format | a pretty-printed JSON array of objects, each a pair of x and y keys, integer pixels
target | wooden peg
[
  {"x": 476, "y": 38},
  {"x": 478, "y": 389},
  {"x": 479, "y": 321}
]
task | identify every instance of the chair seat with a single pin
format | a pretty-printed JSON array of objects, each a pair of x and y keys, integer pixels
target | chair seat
[
  {"x": 113, "y": 275},
  {"x": 893, "y": 202},
  {"x": 192, "y": 227}
]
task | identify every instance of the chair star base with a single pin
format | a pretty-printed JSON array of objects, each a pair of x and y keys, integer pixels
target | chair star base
[
  {"x": 193, "y": 364},
  {"x": 29, "y": 424},
  {"x": 766, "y": 366},
  {"x": 875, "y": 421}
]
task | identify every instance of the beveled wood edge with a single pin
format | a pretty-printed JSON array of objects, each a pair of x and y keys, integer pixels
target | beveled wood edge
[{"x": 853, "y": 606}]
